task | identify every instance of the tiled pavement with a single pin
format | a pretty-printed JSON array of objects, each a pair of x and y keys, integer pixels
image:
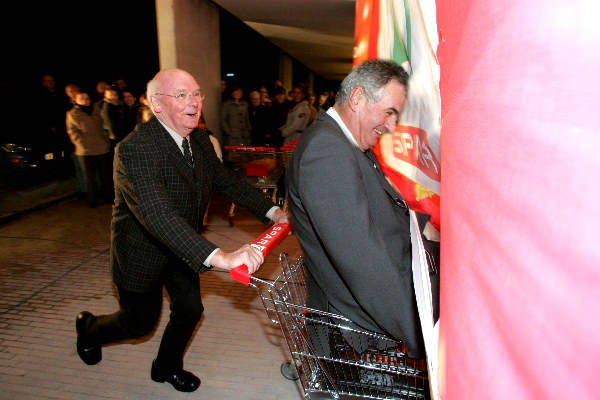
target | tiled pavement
[{"x": 54, "y": 263}]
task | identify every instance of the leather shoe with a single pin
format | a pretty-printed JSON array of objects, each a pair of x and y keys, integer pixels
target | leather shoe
[
  {"x": 89, "y": 353},
  {"x": 181, "y": 380}
]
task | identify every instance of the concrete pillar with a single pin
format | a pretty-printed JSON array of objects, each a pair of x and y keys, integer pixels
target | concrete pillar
[
  {"x": 188, "y": 38},
  {"x": 286, "y": 69}
]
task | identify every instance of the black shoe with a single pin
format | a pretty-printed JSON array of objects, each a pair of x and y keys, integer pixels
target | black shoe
[
  {"x": 89, "y": 353},
  {"x": 181, "y": 380}
]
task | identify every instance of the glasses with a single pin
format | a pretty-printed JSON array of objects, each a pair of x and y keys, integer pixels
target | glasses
[{"x": 184, "y": 95}]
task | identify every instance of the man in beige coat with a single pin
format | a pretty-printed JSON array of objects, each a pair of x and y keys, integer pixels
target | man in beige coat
[{"x": 92, "y": 147}]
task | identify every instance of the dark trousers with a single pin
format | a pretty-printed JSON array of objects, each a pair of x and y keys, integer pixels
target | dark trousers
[
  {"x": 102, "y": 165},
  {"x": 139, "y": 312}
]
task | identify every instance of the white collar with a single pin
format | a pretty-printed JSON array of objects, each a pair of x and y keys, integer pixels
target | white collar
[
  {"x": 176, "y": 136},
  {"x": 336, "y": 117}
]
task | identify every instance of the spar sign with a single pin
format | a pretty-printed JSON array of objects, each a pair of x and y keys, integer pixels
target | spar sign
[
  {"x": 269, "y": 239},
  {"x": 410, "y": 145},
  {"x": 405, "y": 31}
]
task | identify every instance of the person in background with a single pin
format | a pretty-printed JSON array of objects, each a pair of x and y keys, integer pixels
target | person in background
[
  {"x": 144, "y": 111},
  {"x": 165, "y": 172},
  {"x": 278, "y": 114},
  {"x": 234, "y": 120},
  {"x": 99, "y": 95},
  {"x": 322, "y": 102},
  {"x": 330, "y": 99},
  {"x": 278, "y": 84},
  {"x": 54, "y": 105},
  {"x": 258, "y": 114},
  {"x": 112, "y": 115},
  {"x": 265, "y": 98},
  {"x": 223, "y": 90},
  {"x": 49, "y": 129},
  {"x": 217, "y": 148},
  {"x": 130, "y": 111},
  {"x": 213, "y": 139},
  {"x": 71, "y": 91},
  {"x": 121, "y": 85},
  {"x": 298, "y": 117},
  {"x": 92, "y": 148}
]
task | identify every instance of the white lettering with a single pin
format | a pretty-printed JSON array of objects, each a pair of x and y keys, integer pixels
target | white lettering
[
  {"x": 408, "y": 142},
  {"x": 257, "y": 247}
]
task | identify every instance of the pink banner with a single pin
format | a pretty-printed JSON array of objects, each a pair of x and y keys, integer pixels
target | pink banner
[{"x": 520, "y": 138}]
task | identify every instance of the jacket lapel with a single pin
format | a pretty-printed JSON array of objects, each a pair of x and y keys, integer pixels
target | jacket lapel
[
  {"x": 368, "y": 157},
  {"x": 169, "y": 147},
  {"x": 197, "y": 154},
  {"x": 387, "y": 186}
]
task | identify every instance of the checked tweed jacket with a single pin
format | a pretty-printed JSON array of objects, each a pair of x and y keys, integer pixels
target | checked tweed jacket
[{"x": 160, "y": 203}]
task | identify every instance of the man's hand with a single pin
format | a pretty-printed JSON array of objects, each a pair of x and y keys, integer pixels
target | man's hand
[
  {"x": 280, "y": 217},
  {"x": 246, "y": 254}
]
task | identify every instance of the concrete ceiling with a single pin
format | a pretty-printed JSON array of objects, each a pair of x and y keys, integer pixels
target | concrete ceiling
[{"x": 318, "y": 33}]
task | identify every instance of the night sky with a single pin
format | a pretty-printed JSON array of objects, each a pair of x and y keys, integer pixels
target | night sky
[{"x": 83, "y": 42}]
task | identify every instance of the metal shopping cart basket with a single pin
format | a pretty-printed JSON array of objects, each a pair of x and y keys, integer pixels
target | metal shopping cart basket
[
  {"x": 327, "y": 364},
  {"x": 259, "y": 166}
]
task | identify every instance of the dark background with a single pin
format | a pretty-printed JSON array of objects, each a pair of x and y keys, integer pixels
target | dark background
[
  {"x": 83, "y": 42},
  {"x": 87, "y": 41}
]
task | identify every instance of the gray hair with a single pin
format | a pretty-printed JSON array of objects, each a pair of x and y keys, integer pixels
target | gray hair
[{"x": 371, "y": 75}]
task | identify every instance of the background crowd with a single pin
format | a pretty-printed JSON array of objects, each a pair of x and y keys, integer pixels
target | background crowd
[{"x": 87, "y": 123}]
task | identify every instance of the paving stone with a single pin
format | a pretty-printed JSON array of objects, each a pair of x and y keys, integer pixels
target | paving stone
[{"x": 49, "y": 275}]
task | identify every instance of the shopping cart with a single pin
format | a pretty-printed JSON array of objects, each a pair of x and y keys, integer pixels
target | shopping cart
[
  {"x": 327, "y": 365},
  {"x": 259, "y": 166}
]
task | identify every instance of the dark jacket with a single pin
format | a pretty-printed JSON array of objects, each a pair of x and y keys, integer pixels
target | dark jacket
[
  {"x": 160, "y": 203},
  {"x": 354, "y": 231},
  {"x": 114, "y": 120}
]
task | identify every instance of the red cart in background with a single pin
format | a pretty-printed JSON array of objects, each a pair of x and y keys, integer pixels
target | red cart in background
[{"x": 261, "y": 167}]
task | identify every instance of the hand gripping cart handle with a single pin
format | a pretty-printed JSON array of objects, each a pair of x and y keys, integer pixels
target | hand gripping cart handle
[{"x": 264, "y": 243}]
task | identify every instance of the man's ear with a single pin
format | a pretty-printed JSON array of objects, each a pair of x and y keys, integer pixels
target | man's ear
[
  {"x": 356, "y": 95},
  {"x": 155, "y": 104}
]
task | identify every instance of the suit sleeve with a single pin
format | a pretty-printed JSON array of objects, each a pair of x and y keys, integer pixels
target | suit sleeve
[
  {"x": 333, "y": 194},
  {"x": 138, "y": 177}
]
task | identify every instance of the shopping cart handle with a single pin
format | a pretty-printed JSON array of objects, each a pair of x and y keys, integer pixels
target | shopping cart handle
[
  {"x": 240, "y": 274},
  {"x": 264, "y": 243}
]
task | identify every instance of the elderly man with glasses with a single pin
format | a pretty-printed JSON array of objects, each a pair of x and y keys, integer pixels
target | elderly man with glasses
[{"x": 165, "y": 172}]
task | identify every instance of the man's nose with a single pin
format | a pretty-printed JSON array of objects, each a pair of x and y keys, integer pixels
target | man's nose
[
  {"x": 391, "y": 122},
  {"x": 195, "y": 101}
]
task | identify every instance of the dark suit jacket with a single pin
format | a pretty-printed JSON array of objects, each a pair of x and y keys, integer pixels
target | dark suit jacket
[
  {"x": 354, "y": 231},
  {"x": 160, "y": 203}
]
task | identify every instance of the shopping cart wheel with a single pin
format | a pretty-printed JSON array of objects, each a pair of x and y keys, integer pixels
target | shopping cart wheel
[{"x": 288, "y": 370}]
